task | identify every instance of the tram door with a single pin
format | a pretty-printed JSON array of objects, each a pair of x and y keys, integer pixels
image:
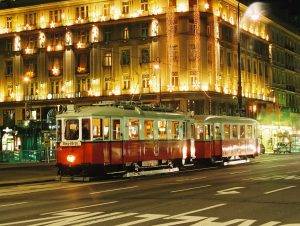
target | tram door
[
  {"x": 116, "y": 153},
  {"x": 217, "y": 143}
]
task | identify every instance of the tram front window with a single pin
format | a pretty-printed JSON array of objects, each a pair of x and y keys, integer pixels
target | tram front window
[{"x": 72, "y": 129}]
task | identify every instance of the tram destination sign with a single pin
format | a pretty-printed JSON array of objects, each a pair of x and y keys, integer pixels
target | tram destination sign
[{"x": 70, "y": 143}]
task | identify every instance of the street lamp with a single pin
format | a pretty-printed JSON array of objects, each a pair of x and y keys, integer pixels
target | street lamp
[{"x": 253, "y": 12}]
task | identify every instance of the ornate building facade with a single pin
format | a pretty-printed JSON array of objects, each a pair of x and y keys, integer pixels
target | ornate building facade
[{"x": 180, "y": 52}]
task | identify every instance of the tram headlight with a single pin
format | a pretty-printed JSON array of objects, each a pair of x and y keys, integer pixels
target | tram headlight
[{"x": 71, "y": 158}]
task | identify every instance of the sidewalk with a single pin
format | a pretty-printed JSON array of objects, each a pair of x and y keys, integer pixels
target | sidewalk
[{"x": 26, "y": 173}]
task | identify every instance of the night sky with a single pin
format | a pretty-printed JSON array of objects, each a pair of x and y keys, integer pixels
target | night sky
[{"x": 285, "y": 11}]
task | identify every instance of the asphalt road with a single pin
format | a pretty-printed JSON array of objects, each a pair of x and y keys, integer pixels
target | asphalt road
[{"x": 264, "y": 192}]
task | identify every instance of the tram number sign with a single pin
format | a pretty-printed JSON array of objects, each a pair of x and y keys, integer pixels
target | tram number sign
[{"x": 70, "y": 143}]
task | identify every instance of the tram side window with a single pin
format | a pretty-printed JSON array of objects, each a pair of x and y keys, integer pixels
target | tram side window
[
  {"x": 175, "y": 130},
  {"x": 234, "y": 132},
  {"x": 249, "y": 131},
  {"x": 226, "y": 132},
  {"x": 105, "y": 128},
  {"x": 86, "y": 129},
  {"x": 72, "y": 129},
  {"x": 97, "y": 128},
  {"x": 133, "y": 129},
  {"x": 58, "y": 130},
  {"x": 162, "y": 129},
  {"x": 217, "y": 132},
  {"x": 199, "y": 132},
  {"x": 207, "y": 132},
  {"x": 148, "y": 129},
  {"x": 242, "y": 131},
  {"x": 116, "y": 129}
]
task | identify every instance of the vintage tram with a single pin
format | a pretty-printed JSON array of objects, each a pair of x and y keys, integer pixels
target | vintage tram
[{"x": 101, "y": 139}]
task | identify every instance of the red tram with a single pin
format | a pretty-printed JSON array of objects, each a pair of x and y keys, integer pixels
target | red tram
[{"x": 99, "y": 139}]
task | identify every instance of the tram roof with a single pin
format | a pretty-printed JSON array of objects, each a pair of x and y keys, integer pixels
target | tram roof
[
  {"x": 224, "y": 119},
  {"x": 114, "y": 111}
]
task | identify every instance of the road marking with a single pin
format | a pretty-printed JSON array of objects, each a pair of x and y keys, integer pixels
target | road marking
[
  {"x": 229, "y": 191},
  {"x": 188, "y": 189},
  {"x": 110, "y": 190},
  {"x": 13, "y": 204},
  {"x": 196, "y": 211},
  {"x": 275, "y": 166},
  {"x": 122, "y": 215},
  {"x": 280, "y": 189},
  {"x": 191, "y": 179},
  {"x": 81, "y": 207},
  {"x": 245, "y": 171},
  {"x": 147, "y": 217}
]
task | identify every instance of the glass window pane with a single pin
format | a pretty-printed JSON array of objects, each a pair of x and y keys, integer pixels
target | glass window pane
[
  {"x": 86, "y": 129},
  {"x": 234, "y": 132},
  {"x": 227, "y": 132},
  {"x": 175, "y": 130},
  {"x": 207, "y": 132},
  {"x": 133, "y": 129},
  {"x": 199, "y": 132},
  {"x": 72, "y": 129},
  {"x": 249, "y": 131},
  {"x": 116, "y": 129},
  {"x": 242, "y": 131},
  {"x": 148, "y": 129},
  {"x": 162, "y": 129},
  {"x": 97, "y": 131},
  {"x": 217, "y": 132},
  {"x": 105, "y": 129}
]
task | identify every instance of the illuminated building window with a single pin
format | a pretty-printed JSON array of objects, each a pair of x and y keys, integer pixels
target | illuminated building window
[
  {"x": 8, "y": 46},
  {"x": 126, "y": 82},
  {"x": 107, "y": 36},
  {"x": 254, "y": 67},
  {"x": 242, "y": 64},
  {"x": 9, "y": 22},
  {"x": 33, "y": 88},
  {"x": 106, "y": 9},
  {"x": 249, "y": 65},
  {"x": 8, "y": 67},
  {"x": 82, "y": 63},
  {"x": 30, "y": 19},
  {"x": 193, "y": 77},
  {"x": 107, "y": 84},
  {"x": 229, "y": 63},
  {"x": 144, "y": 5},
  {"x": 145, "y": 55},
  {"x": 144, "y": 31},
  {"x": 83, "y": 85},
  {"x": 55, "y": 16},
  {"x": 125, "y": 57},
  {"x": 145, "y": 81},
  {"x": 175, "y": 79},
  {"x": 107, "y": 60},
  {"x": 125, "y": 7},
  {"x": 125, "y": 33},
  {"x": 55, "y": 65},
  {"x": 30, "y": 67},
  {"x": 55, "y": 86},
  {"x": 82, "y": 12}
]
